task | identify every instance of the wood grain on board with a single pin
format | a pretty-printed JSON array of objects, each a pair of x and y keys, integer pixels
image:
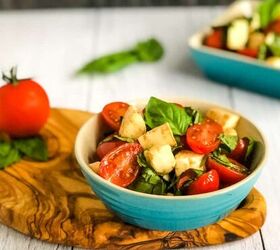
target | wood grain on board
[{"x": 51, "y": 201}]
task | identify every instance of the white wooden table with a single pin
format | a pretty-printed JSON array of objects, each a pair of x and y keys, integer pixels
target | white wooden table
[{"x": 50, "y": 45}]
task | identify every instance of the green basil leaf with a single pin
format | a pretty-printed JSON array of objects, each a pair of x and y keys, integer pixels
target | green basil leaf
[
  {"x": 195, "y": 114},
  {"x": 228, "y": 142},
  {"x": 8, "y": 155},
  {"x": 250, "y": 148},
  {"x": 158, "y": 112},
  {"x": 275, "y": 46},
  {"x": 5, "y": 148},
  {"x": 265, "y": 11},
  {"x": 150, "y": 50},
  {"x": 34, "y": 148}
]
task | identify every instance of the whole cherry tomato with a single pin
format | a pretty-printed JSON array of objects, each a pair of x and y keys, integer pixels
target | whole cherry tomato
[
  {"x": 240, "y": 150},
  {"x": 227, "y": 175},
  {"x": 202, "y": 138},
  {"x": 24, "y": 106},
  {"x": 106, "y": 147},
  {"x": 120, "y": 165},
  {"x": 205, "y": 183},
  {"x": 215, "y": 39},
  {"x": 112, "y": 114},
  {"x": 249, "y": 52}
]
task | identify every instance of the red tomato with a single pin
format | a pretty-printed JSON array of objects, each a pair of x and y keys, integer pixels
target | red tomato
[
  {"x": 113, "y": 112},
  {"x": 215, "y": 39},
  {"x": 205, "y": 183},
  {"x": 240, "y": 150},
  {"x": 24, "y": 107},
  {"x": 106, "y": 147},
  {"x": 227, "y": 175},
  {"x": 248, "y": 52},
  {"x": 203, "y": 137},
  {"x": 120, "y": 165},
  {"x": 274, "y": 27}
]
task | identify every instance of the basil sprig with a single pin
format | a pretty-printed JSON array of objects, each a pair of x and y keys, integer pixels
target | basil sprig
[
  {"x": 228, "y": 142},
  {"x": 158, "y": 112},
  {"x": 12, "y": 151},
  {"x": 148, "y": 181},
  {"x": 146, "y": 51}
]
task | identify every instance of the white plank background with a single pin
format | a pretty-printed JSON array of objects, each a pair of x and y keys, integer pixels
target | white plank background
[{"x": 51, "y": 45}]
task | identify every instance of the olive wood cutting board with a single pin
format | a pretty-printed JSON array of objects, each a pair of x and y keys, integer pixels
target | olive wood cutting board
[{"x": 51, "y": 201}]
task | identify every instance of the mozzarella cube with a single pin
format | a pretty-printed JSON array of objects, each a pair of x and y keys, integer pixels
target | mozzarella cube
[
  {"x": 133, "y": 124},
  {"x": 231, "y": 132},
  {"x": 160, "y": 135},
  {"x": 238, "y": 34},
  {"x": 226, "y": 119},
  {"x": 161, "y": 159},
  {"x": 186, "y": 159}
]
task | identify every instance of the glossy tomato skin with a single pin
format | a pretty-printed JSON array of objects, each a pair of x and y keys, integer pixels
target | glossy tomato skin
[
  {"x": 24, "y": 108},
  {"x": 106, "y": 147},
  {"x": 227, "y": 175},
  {"x": 120, "y": 165},
  {"x": 215, "y": 39},
  {"x": 240, "y": 150},
  {"x": 202, "y": 138},
  {"x": 112, "y": 114},
  {"x": 208, "y": 182},
  {"x": 249, "y": 52}
]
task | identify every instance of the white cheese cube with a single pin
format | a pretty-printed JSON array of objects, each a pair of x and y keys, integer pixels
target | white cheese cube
[
  {"x": 231, "y": 132},
  {"x": 186, "y": 159},
  {"x": 133, "y": 124},
  {"x": 161, "y": 159},
  {"x": 160, "y": 135},
  {"x": 238, "y": 34},
  {"x": 226, "y": 119}
]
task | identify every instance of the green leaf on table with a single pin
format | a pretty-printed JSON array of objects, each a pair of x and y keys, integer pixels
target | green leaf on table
[
  {"x": 35, "y": 148},
  {"x": 8, "y": 154},
  {"x": 158, "y": 112},
  {"x": 145, "y": 51},
  {"x": 149, "y": 51}
]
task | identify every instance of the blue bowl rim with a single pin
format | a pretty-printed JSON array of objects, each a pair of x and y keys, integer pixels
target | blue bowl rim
[{"x": 84, "y": 166}]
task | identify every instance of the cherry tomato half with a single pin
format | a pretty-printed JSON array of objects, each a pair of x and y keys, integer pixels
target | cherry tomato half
[
  {"x": 227, "y": 175},
  {"x": 205, "y": 183},
  {"x": 240, "y": 150},
  {"x": 248, "y": 52},
  {"x": 112, "y": 114},
  {"x": 203, "y": 137},
  {"x": 24, "y": 106},
  {"x": 274, "y": 27},
  {"x": 120, "y": 165},
  {"x": 106, "y": 147},
  {"x": 215, "y": 39}
]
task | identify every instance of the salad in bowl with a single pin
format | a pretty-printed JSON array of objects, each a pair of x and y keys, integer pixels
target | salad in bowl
[
  {"x": 173, "y": 165},
  {"x": 254, "y": 33},
  {"x": 169, "y": 149}
]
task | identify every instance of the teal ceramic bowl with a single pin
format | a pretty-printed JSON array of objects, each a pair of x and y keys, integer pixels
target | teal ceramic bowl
[
  {"x": 231, "y": 68},
  {"x": 157, "y": 212}
]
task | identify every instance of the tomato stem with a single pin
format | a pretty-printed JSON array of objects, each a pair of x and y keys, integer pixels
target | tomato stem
[{"x": 12, "y": 78}]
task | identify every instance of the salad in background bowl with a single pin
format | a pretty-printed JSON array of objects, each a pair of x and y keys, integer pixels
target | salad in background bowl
[
  {"x": 255, "y": 34},
  {"x": 170, "y": 165},
  {"x": 242, "y": 47}
]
